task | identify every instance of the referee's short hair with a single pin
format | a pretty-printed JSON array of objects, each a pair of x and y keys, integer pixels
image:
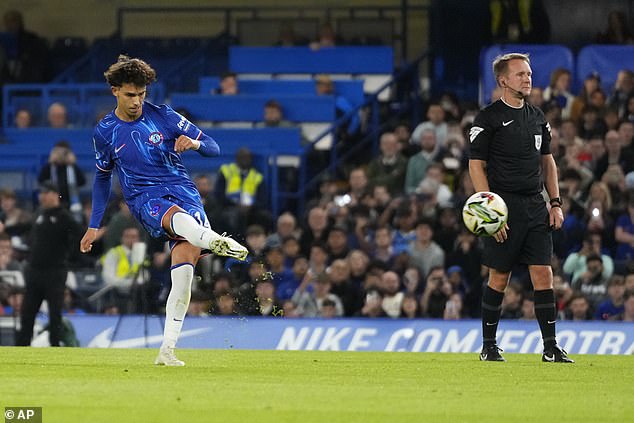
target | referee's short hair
[{"x": 500, "y": 63}]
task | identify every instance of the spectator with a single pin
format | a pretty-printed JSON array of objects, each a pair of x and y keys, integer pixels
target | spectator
[
  {"x": 612, "y": 306},
  {"x": 57, "y": 116},
  {"x": 590, "y": 85},
  {"x": 273, "y": 116},
  {"x": 409, "y": 307},
  {"x": 71, "y": 304},
  {"x": 343, "y": 286},
  {"x": 318, "y": 258},
  {"x": 325, "y": 38},
  {"x": 592, "y": 283},
  {"x": 614, "y": 154},
  {"x": 266, "y": 299},
  {"x": 228, "y": 84},
  {"x": 205, "y": 188},
  {"x": 288, "y": 37},
  {"x": 578, "y": 308},
  {"x": 392, "y": 295},
  {"x": 240, "y": 188},
  {"x": 373, "y": 305},
  {"x": 433, "y": 189},
  {"x": 516, "y": 21},
  {"x": 325, "y": 86},
  {"x": 447, "y": 228},
  {"x": 337, "y": 242},
  {"x": 423, "y": 251},
  {"x": 383, "y": 249},
  {"x": 536, "y": 97},
  {"x": 617, "y": 31},
  {"x": 118, "y": 223},
  {"x": 418, "y": 163},
  {"x": 624, "y": 234},
  {"x": 316, "y": 228},
  {"x": 224, "y": 304},
  {"x": 29, "y": 62},
  {"x": 286, "y": 226},
  {"x": 291, "y": 249},
  {"x": 121, "y": 271},
  {"x": 255, "y": 238},
  {"x": 436, "y": 121},
  {"x": 62, "y": 170},
  {"x": 436, "y": 294},
  {"x": 453, "y": 307},
  {"x": 286, "y": 289},
  {"x": 7, "y": 259},
  {"x": 312, "y": 292},
  {"x": 575, "y": 264},
  {"x": 621, "y": 92},
  {"x": 23, "y": 119},
  {"x": 389, "y": 168},
  {"x": 14, "y": 220},
  {"x": 628, "y": 307},
  {"x": 559, "y": 91}
]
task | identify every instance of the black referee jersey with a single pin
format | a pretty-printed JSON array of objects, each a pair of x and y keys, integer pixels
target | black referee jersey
[{"x": 511, "y": 141}]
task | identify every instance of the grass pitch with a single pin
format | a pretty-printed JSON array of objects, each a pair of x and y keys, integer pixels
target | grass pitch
[{"x": 122, "y": 385}]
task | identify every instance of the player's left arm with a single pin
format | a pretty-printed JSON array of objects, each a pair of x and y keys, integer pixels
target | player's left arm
[{"x": 189, "y": 136}]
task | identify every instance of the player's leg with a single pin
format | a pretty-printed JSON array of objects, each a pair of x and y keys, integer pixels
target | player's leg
[
  {"x": 184, "y": 258},
  {"x": 55, "y": 301},
  {"x": 546, "y": 312},
  {"x": 178, "y": 222},
  {"x": 32, "y": 301},
  {"x": 491, "y": 309}
]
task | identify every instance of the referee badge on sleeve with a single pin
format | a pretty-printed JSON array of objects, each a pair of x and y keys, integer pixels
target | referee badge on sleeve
[{"x": 538, "y": 142}]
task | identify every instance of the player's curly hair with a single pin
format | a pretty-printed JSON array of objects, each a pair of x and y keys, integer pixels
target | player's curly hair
[{"x": 129, "y": 70}]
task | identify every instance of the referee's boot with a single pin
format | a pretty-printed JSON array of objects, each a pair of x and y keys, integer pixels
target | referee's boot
[
  {"x": 226, "y": 246},
  {"x": 555, "y": 354},
  {"x": 491, "y": 353}
]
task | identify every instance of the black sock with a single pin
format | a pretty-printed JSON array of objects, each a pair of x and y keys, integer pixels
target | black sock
[
  {"x": 546, "y": 313},
  {"x": 491, "y": 309}
]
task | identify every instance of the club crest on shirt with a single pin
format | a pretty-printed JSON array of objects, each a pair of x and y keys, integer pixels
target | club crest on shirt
[
  {"x": 155, "y": 210},
  {"x": 538, "y": 142},
  {"x": 156, "y": 138}
]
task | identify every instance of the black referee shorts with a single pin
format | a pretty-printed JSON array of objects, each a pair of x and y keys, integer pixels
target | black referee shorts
[{"x": 529, "y": 236}]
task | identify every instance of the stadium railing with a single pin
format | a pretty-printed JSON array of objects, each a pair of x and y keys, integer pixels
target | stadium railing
[{"x": 544, "y": 60}]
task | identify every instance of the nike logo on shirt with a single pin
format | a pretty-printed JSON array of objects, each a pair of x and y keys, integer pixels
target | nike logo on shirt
[
  {"x": 550, "y": 322},
  {"x": 507, "y": 123},
  {"x": 116, "y": 150},
  {"x": 491, "y": 324}
]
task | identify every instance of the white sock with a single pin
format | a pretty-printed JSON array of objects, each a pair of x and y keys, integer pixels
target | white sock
[
  {"x": 177, "y": 303},
  {"x": 186, "y": 226}
]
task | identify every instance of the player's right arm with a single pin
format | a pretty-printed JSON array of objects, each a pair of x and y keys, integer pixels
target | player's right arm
[{"x": 100, "y": 190}]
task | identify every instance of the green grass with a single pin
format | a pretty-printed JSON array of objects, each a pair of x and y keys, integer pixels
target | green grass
[{"x": 122, "y": 385}]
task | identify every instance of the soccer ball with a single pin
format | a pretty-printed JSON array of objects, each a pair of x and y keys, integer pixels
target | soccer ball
[{"x": 485, "y": 213}]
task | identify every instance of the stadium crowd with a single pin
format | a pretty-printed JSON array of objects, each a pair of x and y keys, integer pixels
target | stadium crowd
[{"x": 385, "y": 241}]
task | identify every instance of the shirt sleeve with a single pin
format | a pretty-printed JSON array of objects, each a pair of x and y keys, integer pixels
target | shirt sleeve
[
  {"x": 546, "y": 136},
  {"x": 181, "y": 126},
  {"x": 480, "y": 136},
  {"x": 102, "y": 183}
]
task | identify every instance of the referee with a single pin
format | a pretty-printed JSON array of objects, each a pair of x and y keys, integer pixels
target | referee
[
  {"x": 54, "y": 234},
  {"x": 510, "y": 155}
]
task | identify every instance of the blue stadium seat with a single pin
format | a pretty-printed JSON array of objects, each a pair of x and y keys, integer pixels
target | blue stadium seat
[
  {"x": 350, "y": 89},
  {"x": 303, "y": 60},
  {"x": 250, "y": 108},
  {"x": 606, "y": 60}
]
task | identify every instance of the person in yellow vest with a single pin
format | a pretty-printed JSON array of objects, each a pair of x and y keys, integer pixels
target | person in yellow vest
[
  {"x": 120, "y": 271},
  {"x": 241, "y": 191}
]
